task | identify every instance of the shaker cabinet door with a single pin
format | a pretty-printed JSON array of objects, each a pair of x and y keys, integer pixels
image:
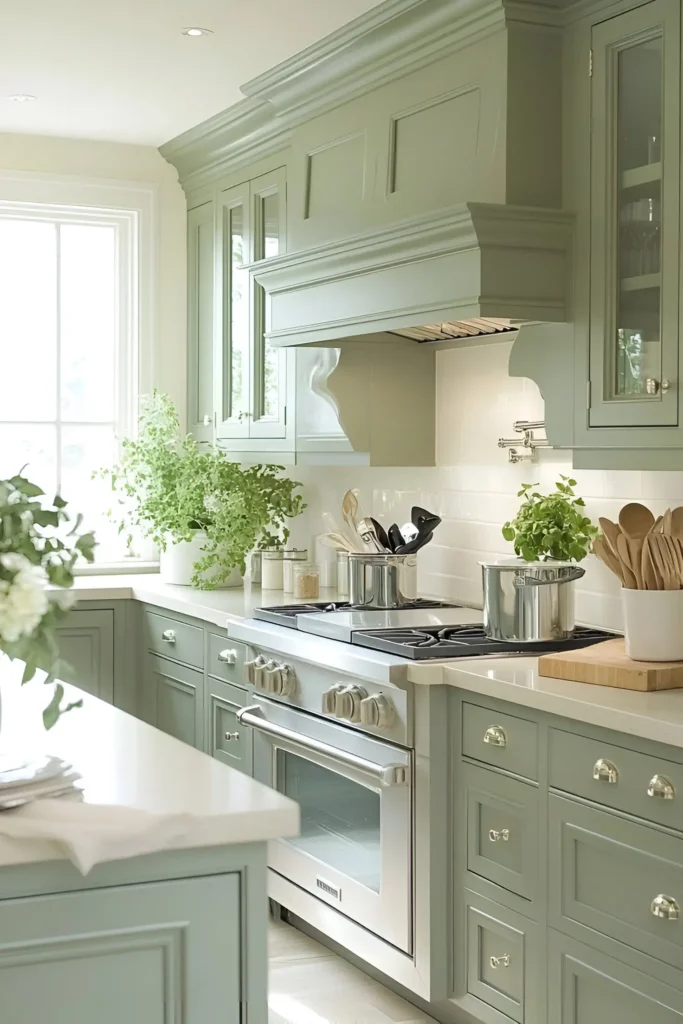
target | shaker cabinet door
[
  {"x": 635, "y": 185},
  {"x": 86, "y": 647},
  {"x": 233, "y": 362},
  {"x": 200, "y": 322}
]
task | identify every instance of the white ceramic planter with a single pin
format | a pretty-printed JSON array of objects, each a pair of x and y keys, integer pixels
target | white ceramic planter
[
  {"x": 177, "y": 562},
  {"x": 653, "y": 624}
]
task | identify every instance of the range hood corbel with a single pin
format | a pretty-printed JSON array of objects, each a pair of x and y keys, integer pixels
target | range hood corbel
[{"x": 471, "y": 262}]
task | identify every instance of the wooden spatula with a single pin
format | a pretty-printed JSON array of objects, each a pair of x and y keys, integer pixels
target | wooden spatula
[
  {"x": 606, "y": 555},
  {"x": 610, "y": 532},
  {"x": 629, "y": 576}
]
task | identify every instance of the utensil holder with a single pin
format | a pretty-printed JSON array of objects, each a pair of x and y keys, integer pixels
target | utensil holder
[
  {"x": 382, "y": 580},
  {"x": 653, "y": 624}
]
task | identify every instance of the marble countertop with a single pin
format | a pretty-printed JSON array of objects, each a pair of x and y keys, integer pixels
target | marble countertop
[{"x": 127, "y": 763}]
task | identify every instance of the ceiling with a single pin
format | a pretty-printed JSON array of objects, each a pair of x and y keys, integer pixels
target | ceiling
[{"x": 123, "y": 71}]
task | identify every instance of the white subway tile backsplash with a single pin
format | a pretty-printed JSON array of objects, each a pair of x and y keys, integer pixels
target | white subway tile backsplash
[{"x": 474, "y": 488}]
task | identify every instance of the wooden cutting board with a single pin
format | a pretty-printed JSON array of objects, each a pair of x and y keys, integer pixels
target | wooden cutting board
[{"x": 606, "y": 664}]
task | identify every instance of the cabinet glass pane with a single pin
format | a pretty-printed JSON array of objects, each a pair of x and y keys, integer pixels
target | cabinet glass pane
[
  {"x": 239, "y": 314},
  {"x": 268, "y": 244},
  {"x": 340, "y": 819},
  {"x": 639, "y": 91}
]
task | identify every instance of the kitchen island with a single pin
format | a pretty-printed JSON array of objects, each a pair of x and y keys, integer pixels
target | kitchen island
[{"x": 170, "y": 922}]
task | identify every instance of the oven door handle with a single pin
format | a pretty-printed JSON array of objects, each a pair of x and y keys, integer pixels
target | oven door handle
[{"x": 386, "y": 775}]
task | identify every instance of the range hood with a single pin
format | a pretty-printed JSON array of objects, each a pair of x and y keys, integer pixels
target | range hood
[{"x": 471, "y": 270}]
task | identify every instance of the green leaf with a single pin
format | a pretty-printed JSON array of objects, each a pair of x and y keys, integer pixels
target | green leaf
[
  {"x": 51, "y": 712},
  {"x": 59, "y": 502},
  {"x": 508, "y": 532}
]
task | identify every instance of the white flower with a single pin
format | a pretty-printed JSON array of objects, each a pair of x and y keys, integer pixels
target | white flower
[
  {"x": 212, "y": 503},
  {"x": 23, "y": 600}
]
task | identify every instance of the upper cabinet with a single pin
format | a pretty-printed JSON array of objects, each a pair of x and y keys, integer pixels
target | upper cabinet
[
  {"x": 250, "y": 375},
  {"x": 635, "y": 189},
  {"x": 200, "y": 273}
]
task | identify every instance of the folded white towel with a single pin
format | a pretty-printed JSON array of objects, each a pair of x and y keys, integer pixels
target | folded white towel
[{"x": 90, "y": 834}]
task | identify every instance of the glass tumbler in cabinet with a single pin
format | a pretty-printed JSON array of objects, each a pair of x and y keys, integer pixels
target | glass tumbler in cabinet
[{"x": 635, "y": 174}]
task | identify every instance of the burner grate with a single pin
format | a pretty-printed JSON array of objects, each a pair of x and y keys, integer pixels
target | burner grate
[
  {"x": 466, "y": 641},
  {"x": 286, "y": 614}
]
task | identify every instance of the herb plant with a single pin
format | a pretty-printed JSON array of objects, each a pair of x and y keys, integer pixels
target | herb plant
[
  {"x": 37, "y": 548},
  {"x": 551, "y": 526},
  {"x": 169, "y": 486}
]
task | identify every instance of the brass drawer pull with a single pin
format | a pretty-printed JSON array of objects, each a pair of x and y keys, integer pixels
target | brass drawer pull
[
  {"x": 605, "y": 771},
  {"x": 500, "y": 961},
  {"x": 495, "y": 735},
  {"x": 665, "y": 907},
  {"x": 495, "y": 836},
  {"x": 661, "y": 787},
  {"x": 228, "y": 657},
  {"x": 232, "y": 736},
  {"x": 168, "y": 636}
]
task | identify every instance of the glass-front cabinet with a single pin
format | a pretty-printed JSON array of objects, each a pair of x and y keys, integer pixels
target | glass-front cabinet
[
  {"x": 250, "y": 375},
  {"x": 200, "y": 337},
  {"x": 635, "y": 185}
]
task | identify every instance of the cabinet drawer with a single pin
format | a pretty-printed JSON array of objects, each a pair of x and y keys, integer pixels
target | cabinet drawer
[
  {"x": 587, "y": 987},
  {"x": 173, "y": 700},
  {"x": 501, "y": 740},
  {"x": 625, "y": 778},
  {"x": 226, "y": 658},
  {"x": 501, "y": 952},
  {"x": 174, "y": 639},
  {"x": 226, "y": 739},
  {"x": 502, "y": 830},
  {"x": 612, "y": 875}
]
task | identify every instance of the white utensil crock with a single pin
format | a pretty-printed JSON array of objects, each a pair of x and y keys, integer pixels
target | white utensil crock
[
  {"x": 653, "y": 624},
  {"x": 177, "y": 562}
]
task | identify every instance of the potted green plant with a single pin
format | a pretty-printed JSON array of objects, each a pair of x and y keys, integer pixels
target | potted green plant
[
  {"x": 37, "y": 548},
  {"x": 551, "y": 526},
  {"x": 204, "y": 511}
]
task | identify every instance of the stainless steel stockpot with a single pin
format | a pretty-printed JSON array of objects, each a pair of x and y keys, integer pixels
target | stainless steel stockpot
[{"x": 529, "y": 602}]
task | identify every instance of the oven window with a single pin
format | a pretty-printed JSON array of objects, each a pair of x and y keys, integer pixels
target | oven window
[{"x": 340, "y": 819}]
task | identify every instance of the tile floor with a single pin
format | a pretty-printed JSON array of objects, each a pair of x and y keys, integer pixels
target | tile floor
[{"x": 308, "y": 984}]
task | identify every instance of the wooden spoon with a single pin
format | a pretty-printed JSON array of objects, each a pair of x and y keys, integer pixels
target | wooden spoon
[
  {"x": 675, "y": 555},
  {"x": 630, "y": 579},
  {"x": 651, "y": 577},
  {"x": 610, "y": 532},
  {"x": 664, "y": 561},
  {"x": 636, "y": 520},
  {"x": 606, "y": 555},
  {"x": 677, "y": 522},
  {"x": 667, "y": 522}
]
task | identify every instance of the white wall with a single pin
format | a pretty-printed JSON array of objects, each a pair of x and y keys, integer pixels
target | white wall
[
  {"x": 475, "y": 489},
  {"x": 117, "y": 163}
]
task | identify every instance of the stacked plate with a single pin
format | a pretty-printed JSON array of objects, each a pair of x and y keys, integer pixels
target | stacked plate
[{"x": 23, "y": 781}]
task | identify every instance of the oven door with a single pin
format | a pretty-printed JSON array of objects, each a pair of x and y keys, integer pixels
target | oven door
[{"x": 355, "y": 792}]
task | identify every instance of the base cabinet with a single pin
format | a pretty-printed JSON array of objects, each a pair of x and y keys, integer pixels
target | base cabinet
[
  {"x": 86, "y": 647},
  {"x": 226, "y": 739},
  {"x": 173, "y": 700},
  {"x": 586, "y": 987}
]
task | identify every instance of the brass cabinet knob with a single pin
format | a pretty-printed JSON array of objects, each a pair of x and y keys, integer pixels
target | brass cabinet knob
[
  {"x": 605, "y": 771},
  {"x": 232, "y": 736},
  {"x": 654, "y": 386},
  {"x": 660, "y": 786},
  {"x": 496, "y": 835},
  {"x": 500, "y": 961},
  {"x": 228, "y": 657},
  {"x": 168, "y": 636},
  {"x": 665, "y": 907},
  {"x": 495, "y": 735}
]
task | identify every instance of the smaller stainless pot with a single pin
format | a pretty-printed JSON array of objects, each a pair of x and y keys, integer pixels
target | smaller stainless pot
[
  {"x": 382, "y": 580},
  {"x": 529, "y": 602}
]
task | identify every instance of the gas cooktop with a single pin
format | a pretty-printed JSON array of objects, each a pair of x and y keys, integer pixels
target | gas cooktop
[
  {"x": 466, "y": 641},
  {"x": 341, "y": 617}
]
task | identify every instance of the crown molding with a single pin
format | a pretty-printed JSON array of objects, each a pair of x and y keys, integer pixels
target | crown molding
[{"x": 474, "y": 259}]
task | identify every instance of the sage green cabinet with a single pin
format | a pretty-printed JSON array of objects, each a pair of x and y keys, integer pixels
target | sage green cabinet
[
  {"x": 226, "y": 739},
  {"x": 86, "y": 646},
  {"x": 160, "y": 951},
  {"x": 635, "y": 195},
  {"x": 200, "y": 321},
  {"x": 173, "y": 699}
]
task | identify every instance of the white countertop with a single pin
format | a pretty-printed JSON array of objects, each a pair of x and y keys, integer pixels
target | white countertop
[{"x": 127, "y": 763}]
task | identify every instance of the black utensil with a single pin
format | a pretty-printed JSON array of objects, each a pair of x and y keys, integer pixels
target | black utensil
[
  {"x": 395, "y": 538},
  {"x": 421, "y": 518},
  {"x": 414, "y": 545},
  {"x": 382, "y": 536}
]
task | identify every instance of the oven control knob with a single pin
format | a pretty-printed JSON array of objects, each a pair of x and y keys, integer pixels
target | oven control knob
[
  {"x": 347, "y": 702},
  {"x": 330, "y": 699},
  {"x": 253, "y": 670},
  {"x": 271, "y": 677},
  {"x": 286, "y": 682},
  {"x": 376, "y": 711}
]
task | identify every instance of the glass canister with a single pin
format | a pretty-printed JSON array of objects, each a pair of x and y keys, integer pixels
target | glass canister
[
  {"x": 306, "y": 585},
  {"x": 272, "y": 562},
  {"x": 292, "y": 556},
  {"x": 342, "y": 574}
]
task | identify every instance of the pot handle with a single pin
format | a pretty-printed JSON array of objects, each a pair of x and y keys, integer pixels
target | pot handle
[{"x": 531, "y": 581}]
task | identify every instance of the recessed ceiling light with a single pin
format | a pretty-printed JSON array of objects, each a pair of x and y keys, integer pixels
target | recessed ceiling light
[
  {"x": 194, "y": 30},
  {"x": 22, "y": 97}
]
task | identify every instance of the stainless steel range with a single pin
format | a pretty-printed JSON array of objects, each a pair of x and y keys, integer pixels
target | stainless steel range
[{"x": 334, "y": 728}]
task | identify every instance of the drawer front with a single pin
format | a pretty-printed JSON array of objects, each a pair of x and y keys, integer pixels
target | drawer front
[
  {"x": 636, "y": 783},
  {"x": 502, "y": 830},
  {"x": 173, "y": 639},
  {"x": 497, "y": 956},
  {"x": 226, "y": 658},
  {"x": 500, "y": 740},
  {"x": 173, "y": 700},
  {"x": 226, "y": 739},
  {"x": 587, "y": 987},
  {"x": 616, "y": 877}
]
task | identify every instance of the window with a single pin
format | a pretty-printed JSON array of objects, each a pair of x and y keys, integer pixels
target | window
[{"x": 69, "y": 372}]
